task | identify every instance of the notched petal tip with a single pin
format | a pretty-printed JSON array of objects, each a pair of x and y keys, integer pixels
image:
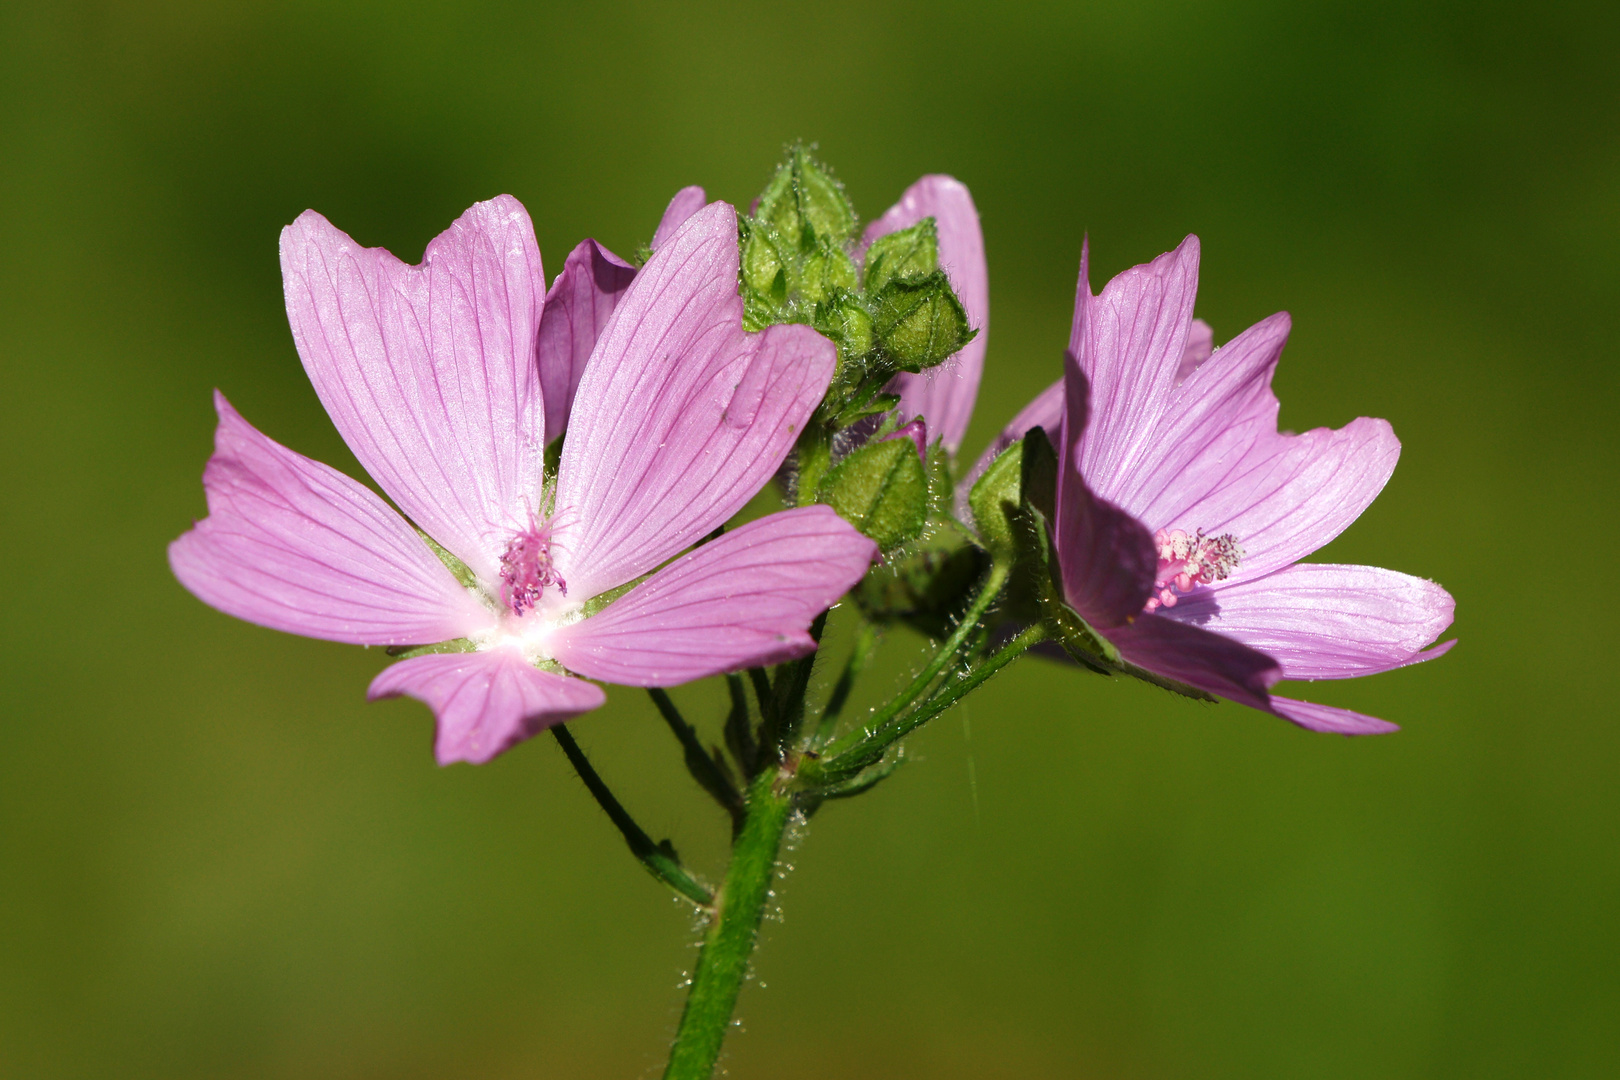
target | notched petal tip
[{"x": 487, "y": 702}]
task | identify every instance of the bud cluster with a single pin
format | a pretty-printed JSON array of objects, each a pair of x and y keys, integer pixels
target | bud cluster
[{"x": 888, "y": 306}]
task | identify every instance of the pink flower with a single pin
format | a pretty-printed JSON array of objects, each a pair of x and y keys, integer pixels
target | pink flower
[
  {"x": 1182, "y": 512},
  {"x": 944, "y": 394},
  {"x": 446, "y": 380}
]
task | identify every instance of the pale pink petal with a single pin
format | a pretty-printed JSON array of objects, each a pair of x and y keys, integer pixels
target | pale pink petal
[
  {"x": 429, "y": 371},
  {"x": 1290, "y": 494},
  {"x": 592, "y": 282},
  {"x": 1328, "y": 719},
  {"x": 1130, "y": 345},
  {"x": 1211, "y": 420},
  {"x": 681, "y": 416},
  {"x": 1327, "y": 622},
  {"x": 1200, "y": 344},
  {"x": 292, "y": 544},
  {"x": 1046, "y": 411},
  {"x": 1106, "y": 557},
  {"x": 743, "y": 600},
  {"x": 485, "y": 702},
  {"x": 945, "y": 394},
  {"x": 687, "y": 201},
  {"x": 1195, "y": 656}
]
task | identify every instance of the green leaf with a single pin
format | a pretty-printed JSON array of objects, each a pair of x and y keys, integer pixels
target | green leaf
[
  {"x": 881, "y": 489},
  {"x": 909, "y": 253}
]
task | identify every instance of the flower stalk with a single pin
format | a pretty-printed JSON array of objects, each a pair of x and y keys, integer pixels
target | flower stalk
[{"x": 733, "y": 928}]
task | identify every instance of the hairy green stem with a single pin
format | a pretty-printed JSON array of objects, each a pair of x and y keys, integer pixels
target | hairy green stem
[
  {"x": 659, "y": 859},
  {"x": 722, "y": 963}
]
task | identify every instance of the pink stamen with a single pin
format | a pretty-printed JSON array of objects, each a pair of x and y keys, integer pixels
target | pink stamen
[
  {"x": 1187, "y": 560},
  {"x": 526, "y": 569}
]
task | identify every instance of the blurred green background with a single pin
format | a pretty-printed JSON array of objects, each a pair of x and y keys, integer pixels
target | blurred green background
[{"x": 217, "y": 861}]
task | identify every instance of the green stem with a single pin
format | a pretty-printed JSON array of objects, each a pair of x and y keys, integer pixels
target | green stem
[
  {"x": 699, "y": 762},
  {"x": 875, "y": 742},
  {"x": 993, "y": 581},
  {"x": 659, "y": 859},
  {"x": 722, "y": 963}
]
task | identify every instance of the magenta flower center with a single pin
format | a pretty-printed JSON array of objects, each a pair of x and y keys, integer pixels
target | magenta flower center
[
  {"x": 1187, "y": 560},
  {"x": 526, "y": 569}
]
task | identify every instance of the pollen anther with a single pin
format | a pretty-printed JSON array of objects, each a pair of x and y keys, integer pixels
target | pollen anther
[
  {"x": 1187, "y": 560},
  {"x": 526, "y": 569}
]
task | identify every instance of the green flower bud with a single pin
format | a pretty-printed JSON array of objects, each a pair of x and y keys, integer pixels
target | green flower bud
[
  {"x": 822, "y": 202},
  {"x": 927, "y": 589},
  {"x": 882, "y": 490},
  {"x": 825, "y": 270},
  {"x": 920, "y": 322},
  {"x": 844, "y": 318},
  {"x": 804, "y": 203},
  {"x": 909, "y": 253}
]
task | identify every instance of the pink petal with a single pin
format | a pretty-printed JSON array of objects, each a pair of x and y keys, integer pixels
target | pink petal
[
  {"x": 485, "y": 702},
  {"x": 292, "y": 544},
  {"x": 742, "y": 600},
  {"x": 1212, "y": 420},
  {"x": 1046, "y": 411},
  {"x": 1328, "y": 719},
  {"x": 1290, "y": 494},
  {"x": 917, "y": 431},
  {"x": 1193, "y": 655},
  {"x": 1200, "y": 344},
  {"x": 687, "y": 201},
  {"x": 592, "y": 282},
  {"x": 1107, "y": 558},
  {"x": 1327, "y": 622},
  {"x": 1130, "y": 342},
  {"x": 428, "y": 371},
  {"x": 945, "y": 394},
  {"x": 681, "y": 416}
]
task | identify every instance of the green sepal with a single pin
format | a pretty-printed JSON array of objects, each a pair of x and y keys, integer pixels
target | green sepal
[
  {"x": 995, "y": 500},
  {"x": 919, "y": 321},
  {"x": 842, "y": 317},
  {"x": 908, "y": 253},
  {"x": 765, "y": 263},
  {"x": 602, "y": 600},
  {"x": 804, "y": 203},
  {"x": 458, "y": 645},
  {"x": 881, "y": 489},
  {"x": 1024, "y": 472},
  {"x": 824, "y": 272},
  {"x": 458, "y": 569},
  {"x": 880, "y": 403},
  {"x": 553, "y": 459}
]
